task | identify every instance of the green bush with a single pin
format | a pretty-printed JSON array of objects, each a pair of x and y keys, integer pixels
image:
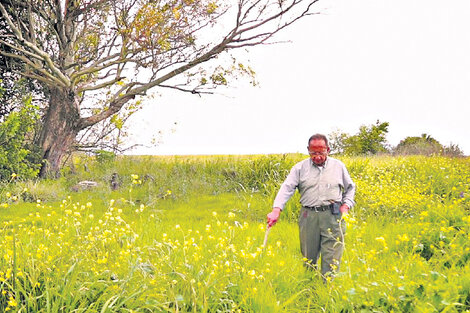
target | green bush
[
  {"x": 18, "y": 157},
  {"x": 424, "y": 145},
  {"x": 105, "y": 157}
]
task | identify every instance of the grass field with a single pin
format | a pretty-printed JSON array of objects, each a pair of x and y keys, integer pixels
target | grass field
[{"x": 185, "y": 234}]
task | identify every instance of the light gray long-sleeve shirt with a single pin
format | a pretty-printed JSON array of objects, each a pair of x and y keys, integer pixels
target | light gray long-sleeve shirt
[{"x": 318, "y": 185}]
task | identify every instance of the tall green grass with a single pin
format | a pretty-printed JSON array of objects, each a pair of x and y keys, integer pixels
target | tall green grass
[{"x": 184, "y": 234}]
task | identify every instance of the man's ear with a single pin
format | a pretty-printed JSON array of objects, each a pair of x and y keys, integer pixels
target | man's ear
[{"x": 328, "y": 149}]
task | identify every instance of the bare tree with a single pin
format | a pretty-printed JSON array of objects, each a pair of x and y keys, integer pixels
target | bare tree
[{"x": 95, "y": 57}]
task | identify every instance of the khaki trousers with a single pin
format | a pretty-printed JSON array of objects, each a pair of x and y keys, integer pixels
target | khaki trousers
[{"x": 322, "y": 233}]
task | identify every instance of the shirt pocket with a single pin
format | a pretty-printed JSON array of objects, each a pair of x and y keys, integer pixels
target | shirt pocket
[{"x": 329, "y": 191}]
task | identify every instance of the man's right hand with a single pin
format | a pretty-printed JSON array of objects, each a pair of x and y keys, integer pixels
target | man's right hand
[{"x": 273, "y": 216}]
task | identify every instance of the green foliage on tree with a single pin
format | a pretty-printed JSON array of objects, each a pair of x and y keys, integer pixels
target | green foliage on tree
[
  {"x": 18, "y": 156},
  {"x": 369, "y": 140},
  {"x": 336, "y": 141}
]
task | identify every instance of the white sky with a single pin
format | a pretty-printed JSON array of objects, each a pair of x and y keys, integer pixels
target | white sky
[{"x": 406, "y": 62}]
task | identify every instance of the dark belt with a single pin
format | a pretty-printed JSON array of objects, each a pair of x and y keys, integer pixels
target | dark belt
[{"x": 319, "y": 208}]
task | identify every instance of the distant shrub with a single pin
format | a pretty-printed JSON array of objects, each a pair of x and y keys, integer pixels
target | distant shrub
[
  {"x": 452, "y": 150},
  {"x": 426, "y": 145},
  {"x": 423, "y": 145}
]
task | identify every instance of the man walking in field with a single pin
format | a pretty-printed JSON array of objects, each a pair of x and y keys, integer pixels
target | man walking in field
[{"x": 326, "y": 192}]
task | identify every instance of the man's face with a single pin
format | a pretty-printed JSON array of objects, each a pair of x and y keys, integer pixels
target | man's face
[{"x": 318, "y": 151}]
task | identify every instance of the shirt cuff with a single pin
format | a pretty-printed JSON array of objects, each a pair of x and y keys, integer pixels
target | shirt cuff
[{"x": 349, "y": 203}]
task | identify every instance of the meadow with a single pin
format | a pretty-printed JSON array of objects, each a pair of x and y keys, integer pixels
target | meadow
[{"x": 185, "y": 234}]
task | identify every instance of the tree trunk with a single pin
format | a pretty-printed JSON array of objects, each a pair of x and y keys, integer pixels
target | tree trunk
[{"x": 59, "y": 129}]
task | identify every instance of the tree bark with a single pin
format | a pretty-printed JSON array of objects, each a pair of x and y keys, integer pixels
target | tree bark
[{"x": 59, "y": 129}]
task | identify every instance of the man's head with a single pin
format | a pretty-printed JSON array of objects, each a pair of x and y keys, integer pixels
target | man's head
[{"x": 318, "y": 148}]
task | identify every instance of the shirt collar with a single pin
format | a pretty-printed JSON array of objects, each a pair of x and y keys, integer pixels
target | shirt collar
[{"x": 320, "y": 167}]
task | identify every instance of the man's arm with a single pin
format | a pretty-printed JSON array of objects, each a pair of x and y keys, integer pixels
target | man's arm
[
  {"x": 348, "y": 193},
  {"x": 284, "y": 194}
]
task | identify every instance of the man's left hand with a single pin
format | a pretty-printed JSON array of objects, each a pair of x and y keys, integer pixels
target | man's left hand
[{"x": 344, "y": 208}]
